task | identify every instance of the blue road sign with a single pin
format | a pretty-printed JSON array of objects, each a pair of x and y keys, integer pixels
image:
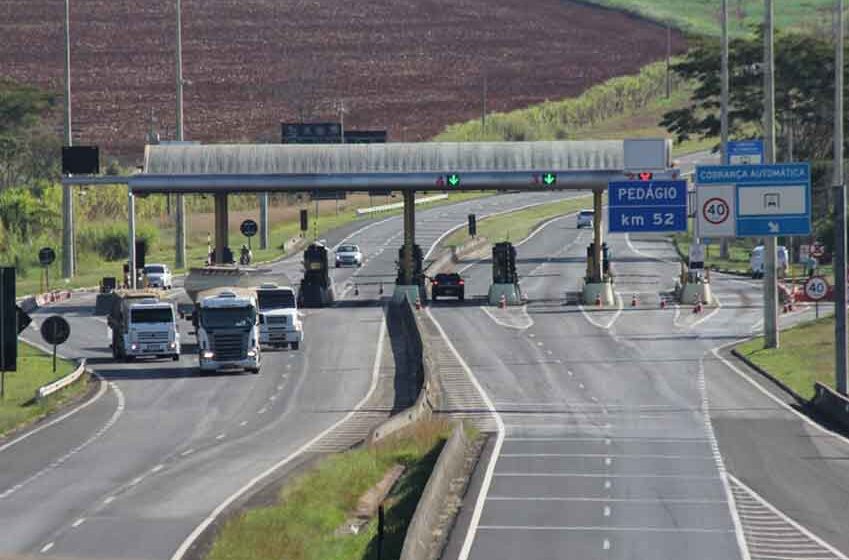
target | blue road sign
[
  {"x": 771, "y": 200},
  {"x": 745, "y": 152},
  {"x": 647, "y": 206}
]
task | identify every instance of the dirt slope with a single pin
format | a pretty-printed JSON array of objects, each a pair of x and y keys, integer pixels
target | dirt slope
[{"x": 412, "y": 66}]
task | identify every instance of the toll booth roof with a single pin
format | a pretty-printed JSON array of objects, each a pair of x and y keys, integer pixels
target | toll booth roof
[{"x": 239, "y": 159}]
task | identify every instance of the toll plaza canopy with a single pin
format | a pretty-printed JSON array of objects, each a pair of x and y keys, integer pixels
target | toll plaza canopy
[{"x": 396, "y": 166}]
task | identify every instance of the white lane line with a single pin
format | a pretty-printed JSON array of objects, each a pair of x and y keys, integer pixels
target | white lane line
[
  {"x": 157, "y": 468},
  {"x": 606, "y": 544},
  {"x": 609, "y": 324},
  {"x": 58, "y": 462},
  {"x": 272, "y": 398},
  {"x": 496, "y": 451},
  {"x": 187, "y": 542},
  {"x": 608, "y": 461},
  {"x": 136, "y": 480},
  {"x": 570, "y": 373},
  {"x": 605, "y": 529},
  {"x": 607, "y": 484},
  {"x": 243, "y": 423},
  {"x": 607, "y": 511},
  {"x": 187, "y": 452},
  {"x": 609, "y": 456},
  {"x": 262, "y": 410},
  {"x": 104, "y": 386},
  {"x": 528, "y": 319},
  {"x": 609, "y": 475},
  {"x": 680, "y": 501},
  {"x": 222, "y": 436},
  {"x": 78, "y": 522},
  {"x": 46, "y": 548},
  {"x": 109, "y": 500},
  {"x": 280, "y": 387},
  {"x": 720, "y": 464}
]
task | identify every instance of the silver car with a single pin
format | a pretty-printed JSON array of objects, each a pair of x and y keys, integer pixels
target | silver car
[
  {"x": 348, "y": 255},
  {"x": 585, "y": 218}
]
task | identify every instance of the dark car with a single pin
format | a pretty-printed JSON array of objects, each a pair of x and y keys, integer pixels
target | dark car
[{"x": 445, "y": 284}]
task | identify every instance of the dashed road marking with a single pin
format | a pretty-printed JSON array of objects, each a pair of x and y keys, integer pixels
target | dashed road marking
[
  {"x": 46, "y": 548},
  {"x": 109, "y": 500},
  {"x": 157, "y": 468},
  {"x": 187, "y": 452},
  {"x": 78, "y": 522},
  {"x": 262, "y": 410},
  {"x": 220, "y": 436}
]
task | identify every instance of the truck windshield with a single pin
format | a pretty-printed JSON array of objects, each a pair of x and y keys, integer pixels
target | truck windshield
[
  {"x": 275, "y": 299},
  {"x": 160, "y": 315},
  {"x": 224, "y": 317}
]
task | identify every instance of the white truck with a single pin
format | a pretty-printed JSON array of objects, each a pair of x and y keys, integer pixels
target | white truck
[
  {"x": 279, "y": 319},
  {"x": 226, "y": 325},
  {"x": 141, "y": 325}
]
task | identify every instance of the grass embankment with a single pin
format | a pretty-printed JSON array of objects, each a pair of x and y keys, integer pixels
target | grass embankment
[
  {"x": 284, "y": 226},
  {"x": 703, "y": 17},
  {"x": 35, "y": 369},
  {"x": 310, "y": 509},
  {"x": 806, "y": 355},
  {"x": 515, "y": 226}
]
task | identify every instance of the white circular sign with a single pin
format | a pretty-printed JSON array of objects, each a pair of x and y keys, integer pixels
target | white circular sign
[
  {"x": 716, "y": 210},
  {"x": 816, "y": 288}
]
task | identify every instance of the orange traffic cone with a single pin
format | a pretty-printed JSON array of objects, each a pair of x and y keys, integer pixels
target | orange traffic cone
[
  {"x": 663, "y": 303},
  {"x": 418, "y": 303},
  {"x": 634, "y": 300},
  {"x": 356, "y": 289},
  {"x": 598, "y": 300},
  {"x": 502, "y": 302}
]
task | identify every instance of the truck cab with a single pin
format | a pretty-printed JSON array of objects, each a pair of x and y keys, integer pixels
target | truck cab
[
  {"x": 144, "y": 328},
  {"x": 227, "y": 331},
  {"x": 279, "y": 319}
]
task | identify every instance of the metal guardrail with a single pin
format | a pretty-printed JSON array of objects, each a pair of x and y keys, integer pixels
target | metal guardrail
[{"x": 47, "y": 390}]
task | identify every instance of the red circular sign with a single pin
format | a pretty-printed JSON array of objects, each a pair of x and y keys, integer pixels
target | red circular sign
[
  {"x": 716, "y": 210},
  {"x": 816, "y": 288}
]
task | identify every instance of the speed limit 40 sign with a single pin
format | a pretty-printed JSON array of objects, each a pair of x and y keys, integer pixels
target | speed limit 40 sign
[
  {"x": 816, "y": 288},
  {"x": 715, "y": 215}
]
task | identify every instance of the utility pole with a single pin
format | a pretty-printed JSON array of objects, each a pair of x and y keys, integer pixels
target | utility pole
[
  {"x": 483, "y": 107},
  {"x": 723, "y": 105},
  {"x": 67, "y": 193},
  {"x": 180, "y": 256},
  {"x": 669, "y": 59},
  {"x": 770, "y": 277},
  {"x": 840, "y": 341}
]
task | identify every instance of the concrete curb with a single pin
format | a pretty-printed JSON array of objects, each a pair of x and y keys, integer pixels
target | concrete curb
[
  {"x": 46, "y": 390},
  {"x": 782, "y": 385},
  {"x": 449, "y": 466}
]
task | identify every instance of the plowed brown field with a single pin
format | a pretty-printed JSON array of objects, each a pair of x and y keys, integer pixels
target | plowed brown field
[{"x": 412, "y": 66}]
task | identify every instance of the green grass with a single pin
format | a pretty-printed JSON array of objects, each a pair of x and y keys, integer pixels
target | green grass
[
  {"x": 301, "y": 526},
  {"x": 515, "y": 226},
  {"x": 34, "y": 370},
  {"x": 702, "y": 18},
  {"x": 806, "y": 355},
  {"x": 737, "y": 263},
  {"x": 91, "y": 268}
]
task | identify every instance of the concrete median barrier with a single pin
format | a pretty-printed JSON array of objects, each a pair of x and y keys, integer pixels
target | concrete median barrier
[
  {"x": 46, "y": 390},
  {"x": 832, "y": 404}
]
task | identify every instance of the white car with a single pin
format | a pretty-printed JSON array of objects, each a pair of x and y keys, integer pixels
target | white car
[
  {"x": 158, "y": 276},
  {"x": 348, "y": 255},
  {"x": 585, "y": 218},
  {"x": 756, "y": 261}
]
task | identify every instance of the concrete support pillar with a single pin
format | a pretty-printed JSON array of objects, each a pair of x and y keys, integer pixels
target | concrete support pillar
[
  {"x": 222, "y": 230},
  {"x": 180, "y": 236},
  {"x": 409, "y": 235},
  {"x": 68, "y": 264},
  {"x": 131, "y": 236},
  {"x": 263, "y": 220},
  {"x": 598, "y": 237}
]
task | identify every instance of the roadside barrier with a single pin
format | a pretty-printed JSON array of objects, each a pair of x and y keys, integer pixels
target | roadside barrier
[
  {"x": 832, "y": 404},
  {"x": 47, "y": 390}
]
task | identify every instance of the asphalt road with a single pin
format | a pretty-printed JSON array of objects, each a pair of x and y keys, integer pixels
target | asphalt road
[
  {"x": 134, "y": 472},
  {"x": 619, "y": 423}
]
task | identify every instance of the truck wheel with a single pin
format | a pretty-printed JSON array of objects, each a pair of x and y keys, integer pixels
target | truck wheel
[
  {"x": 462, "y": 296},
  {"x": 295, "y": 345},
  {"x": 253, "y": 370}
]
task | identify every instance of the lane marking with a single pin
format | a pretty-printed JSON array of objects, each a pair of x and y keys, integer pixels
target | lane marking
[
  {"x": 222, "y": 436},
  {"x": 496, "y": 451},
  {"x": 609, "y": 456},
  {"x": 262, "y": 410},
  {"x": 607, "y": 511},
  {"x": 243, "y": 423},
  {"x": 104, "y": 386},
  {"x": 608, "y": 475},
  {"x": 119, "y": 410},
  {"x": 78, "y": 522},
  {"x": 187, "y": 452},
  {"x": 682, "y": 501},
  {"x": 109, "y": 500},
  {"x": 46, "y": 548},
  {"x": 528, "y": 319},
  {"x": 192, "y": 537},
  {"x": 606, "y": 529},
  {"x": 157, "y": 468},
  {"x": 609, "y": 325},
  {"x": 606, "y": 545},
  {"x": 136, "y": 481}
]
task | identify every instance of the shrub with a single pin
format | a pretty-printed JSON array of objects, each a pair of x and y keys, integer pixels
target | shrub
[{"x": 110, "y": 240}]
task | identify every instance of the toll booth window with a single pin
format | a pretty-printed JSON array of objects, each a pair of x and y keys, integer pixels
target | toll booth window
[{"x": 163, "y": 315}]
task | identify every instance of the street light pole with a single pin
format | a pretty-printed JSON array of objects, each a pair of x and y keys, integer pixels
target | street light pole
[
  {"x": 180, "y": 249},
  {"x": 67, "y": 193},
  {"x": 770, "y": 278},
  {"x": 840, "y": 337},
  {"x": 723, "y": 104}
]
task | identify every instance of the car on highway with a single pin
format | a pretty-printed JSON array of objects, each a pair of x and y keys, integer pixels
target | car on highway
[
  {"x": 585, "y": 218},
  {"x": 157, "y": 276},
  {"x": 756, "y": 261},
  {"x": 447, "y": 284},
  {"x": 348, "y": 255}
]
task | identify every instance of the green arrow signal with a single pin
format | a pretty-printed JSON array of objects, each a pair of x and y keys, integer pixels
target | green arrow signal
[
  {"x": 549, "y": 179},
  {"x": 453, "y": 179}
]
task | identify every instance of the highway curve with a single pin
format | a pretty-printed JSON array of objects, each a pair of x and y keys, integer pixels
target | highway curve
[{"x": 135, "y": 471}]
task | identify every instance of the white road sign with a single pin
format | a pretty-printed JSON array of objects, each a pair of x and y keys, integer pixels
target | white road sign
[
  {"x": 773, "y": 201},
  {"x": 816, "y": 288},
  {"x": 715, "y": 211}
]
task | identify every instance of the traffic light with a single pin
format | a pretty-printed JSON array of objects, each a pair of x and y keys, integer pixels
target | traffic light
[
  {"x": 305, "y": 226},
  {"x": 473, "y": 225}
]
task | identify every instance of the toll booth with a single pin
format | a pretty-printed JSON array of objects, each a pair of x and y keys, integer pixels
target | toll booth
[
  {"x": 505, "y": 280},
  {"x": 605, "y": 260},
  {"x": 316, "y": 287}
]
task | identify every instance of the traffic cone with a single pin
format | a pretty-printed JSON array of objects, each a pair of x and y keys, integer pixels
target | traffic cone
[
  {"x": 356, "y": 289},
  {"x": 663, "y": 303},
  {"x": 634, "y": 300},
  {"x": 598, "y": 300},
  {"x": 418, "y": 303},
  {"x": 502, "y": 302},
  {"x": 381, "y": 289}
]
